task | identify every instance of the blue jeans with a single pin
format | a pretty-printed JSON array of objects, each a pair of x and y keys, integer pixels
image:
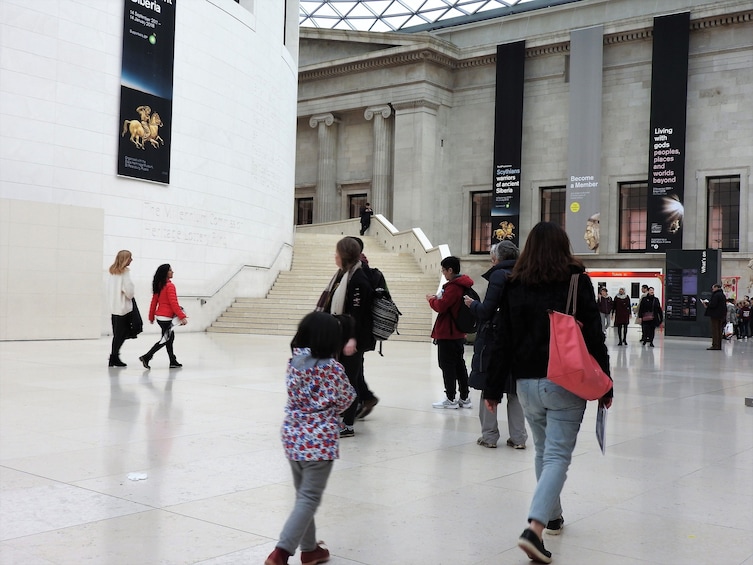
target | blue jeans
[{"x": 554, "y": 416}]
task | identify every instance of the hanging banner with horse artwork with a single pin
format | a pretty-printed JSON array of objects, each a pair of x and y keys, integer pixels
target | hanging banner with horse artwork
[
  {"x": 508, "y": 142},
  {"x": 146, "y": 89}
]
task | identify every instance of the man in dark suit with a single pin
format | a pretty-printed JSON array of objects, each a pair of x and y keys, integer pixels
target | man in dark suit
[{"x": 716, "y": 309}]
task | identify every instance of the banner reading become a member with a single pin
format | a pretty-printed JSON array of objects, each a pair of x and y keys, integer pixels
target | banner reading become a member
[
  {"x": 146, "y": 89},
  {"x": 583, "y": 210}
]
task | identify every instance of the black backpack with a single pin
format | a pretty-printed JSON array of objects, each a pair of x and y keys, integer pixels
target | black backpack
[
  {"x": 465, "y": 321},
  {"x": 384, "y": 311}
]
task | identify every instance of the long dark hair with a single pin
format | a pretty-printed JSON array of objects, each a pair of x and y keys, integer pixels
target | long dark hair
[
  {"x": 321, "y": 333},
  {"x": 546, "y": 256},
  {"x": 160, "y": 278},
  {"x": 349, "y": 251}
]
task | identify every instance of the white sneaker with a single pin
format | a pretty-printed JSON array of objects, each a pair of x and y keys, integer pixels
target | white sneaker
[
  {"x": 446, "y": 403},
  {"x": 467, "y": 403}
]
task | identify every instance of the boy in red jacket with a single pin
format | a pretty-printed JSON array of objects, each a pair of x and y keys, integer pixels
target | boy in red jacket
[{"x": 450, "y": 340}]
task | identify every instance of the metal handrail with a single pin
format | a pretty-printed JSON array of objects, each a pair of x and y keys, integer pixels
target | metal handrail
[{"x": 235, "y": 274}]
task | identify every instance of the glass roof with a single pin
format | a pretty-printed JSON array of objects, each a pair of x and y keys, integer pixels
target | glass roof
[{"x": 390, "y": 15}]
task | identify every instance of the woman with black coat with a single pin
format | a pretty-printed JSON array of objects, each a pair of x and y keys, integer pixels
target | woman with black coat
[
  {"x": 539, "y": 283},
  {"x": 350, "y": 296}
]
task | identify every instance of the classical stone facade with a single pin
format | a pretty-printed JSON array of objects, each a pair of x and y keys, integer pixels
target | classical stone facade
[{"x": 410, "y": 118}]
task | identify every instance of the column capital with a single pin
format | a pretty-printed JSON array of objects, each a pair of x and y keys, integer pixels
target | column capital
[
  {"x": 384, "y": 109},
  {"x": 327, "y": 119}
]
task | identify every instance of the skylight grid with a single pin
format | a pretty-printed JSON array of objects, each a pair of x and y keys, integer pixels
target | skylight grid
[{"x": 390, "y": 15}]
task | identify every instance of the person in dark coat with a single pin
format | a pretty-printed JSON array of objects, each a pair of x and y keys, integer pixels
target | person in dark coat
[
  {"x": 651, "y": 315},
  {"x": 606, "y": 307},
  {"x": 621, "y": 309},
  {"x": 350, "y": 296},
  {"x": 366, "y": 213},
  {"x": 503, "y": 256},
  {"x": 540, "y": 282},
  {"x": 716, "y": 309}
]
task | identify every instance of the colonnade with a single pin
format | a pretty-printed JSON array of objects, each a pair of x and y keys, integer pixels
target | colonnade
[{"x": 403, "y": 159}]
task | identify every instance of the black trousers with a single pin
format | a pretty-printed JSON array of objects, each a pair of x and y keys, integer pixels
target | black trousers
[
  {"x": 165, "y": 326},
  {"x": 649, "y": 329},
  {"x": 121, "y": 325},
  {"x": 622, "y": 332},
  {"x": 452, "y": 362},
  {"x": 353, "y": 365}
]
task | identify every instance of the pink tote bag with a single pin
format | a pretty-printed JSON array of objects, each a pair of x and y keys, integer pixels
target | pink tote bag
[{"x": 570, "y": 364}]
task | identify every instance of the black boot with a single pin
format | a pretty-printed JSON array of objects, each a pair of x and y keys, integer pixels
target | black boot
[
  {"x": 145, "y": 360},
  {"x": 116, "y": 362},
  {"x": 174, "y": 364}
]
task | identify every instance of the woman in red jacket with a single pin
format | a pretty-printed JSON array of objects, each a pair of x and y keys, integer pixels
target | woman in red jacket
[{"x": 165, "y": 309}]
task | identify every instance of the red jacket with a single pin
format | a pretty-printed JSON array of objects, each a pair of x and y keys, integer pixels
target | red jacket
[
  {"x": 166, "y": 304},
  {"x": 447, "y": 306}
]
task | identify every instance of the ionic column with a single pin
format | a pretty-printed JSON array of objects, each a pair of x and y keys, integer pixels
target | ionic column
[
  {"x": 381, "y": 183},
  {"x": 326, "y": 208}
]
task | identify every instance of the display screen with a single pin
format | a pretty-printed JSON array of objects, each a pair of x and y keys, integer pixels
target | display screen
[{"x": 682, "y": 294}]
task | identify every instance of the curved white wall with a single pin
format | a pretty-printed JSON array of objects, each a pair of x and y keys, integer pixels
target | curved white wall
[{"x": 225, "y": 220}]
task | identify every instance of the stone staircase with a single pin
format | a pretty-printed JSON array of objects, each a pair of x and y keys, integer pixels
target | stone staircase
[{"x": 295, "y": 292}]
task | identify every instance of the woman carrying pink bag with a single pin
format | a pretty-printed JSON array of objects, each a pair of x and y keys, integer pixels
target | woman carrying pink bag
[{"x": 539, "y": 283}]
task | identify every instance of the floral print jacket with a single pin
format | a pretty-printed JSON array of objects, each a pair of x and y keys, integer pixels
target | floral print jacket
[{"x": 318, "y": 392}]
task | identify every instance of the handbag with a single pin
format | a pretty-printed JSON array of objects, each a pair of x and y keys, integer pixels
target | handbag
[
  {"x": 570, "y": 364},
  {"x": 647, "y": 316},
  {"x": 136, "y": 323}
]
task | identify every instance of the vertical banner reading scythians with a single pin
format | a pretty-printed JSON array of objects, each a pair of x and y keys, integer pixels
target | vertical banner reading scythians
[
  {"x": 508, "y": 139},
  {"x": 583, "y": 210},
  {"x": 666, "y": 158},
  {"x": 146, "y": 89}
]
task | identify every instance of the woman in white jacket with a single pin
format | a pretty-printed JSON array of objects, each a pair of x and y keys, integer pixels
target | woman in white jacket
[{"x": 120, "y": 293}]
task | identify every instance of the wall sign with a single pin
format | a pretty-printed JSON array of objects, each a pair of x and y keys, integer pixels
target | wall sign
[
  {"x": 583, "y": 210},
  {"x": 146, "y": 89},
  {"x": 666, "y": 159},
  {"x": 508, "y": 139}
]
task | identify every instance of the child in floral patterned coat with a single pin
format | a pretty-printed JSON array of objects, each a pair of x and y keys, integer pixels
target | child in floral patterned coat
[{"x": 318, "y": 392}]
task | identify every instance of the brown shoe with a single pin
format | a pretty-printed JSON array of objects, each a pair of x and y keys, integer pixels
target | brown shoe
[
  {"x": 319, "y": 555},
  {"x": 278, "y": 557}
]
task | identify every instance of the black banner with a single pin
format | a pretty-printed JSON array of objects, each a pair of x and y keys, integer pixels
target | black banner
[
  {"x": 146, "y": 91},
  {"x": 666, "y": 162},
  {"x": 508, "y": 139}
]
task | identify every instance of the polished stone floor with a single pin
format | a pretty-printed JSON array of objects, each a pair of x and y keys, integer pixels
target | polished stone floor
[{"x": 412, "y": 487}]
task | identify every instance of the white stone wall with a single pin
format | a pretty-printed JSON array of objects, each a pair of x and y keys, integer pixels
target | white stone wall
[
  {"x": 225, "y": 220},
  {"x": 50, "y": 270}
]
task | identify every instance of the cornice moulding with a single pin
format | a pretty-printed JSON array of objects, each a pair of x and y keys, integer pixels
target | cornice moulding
[{"x": 429, "y": 51}]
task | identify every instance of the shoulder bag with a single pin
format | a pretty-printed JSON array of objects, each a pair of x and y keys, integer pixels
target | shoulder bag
[{"x": 570, "y": 364}]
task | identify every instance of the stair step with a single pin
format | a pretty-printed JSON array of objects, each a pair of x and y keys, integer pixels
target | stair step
[{"x": 295, "y": 292}]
